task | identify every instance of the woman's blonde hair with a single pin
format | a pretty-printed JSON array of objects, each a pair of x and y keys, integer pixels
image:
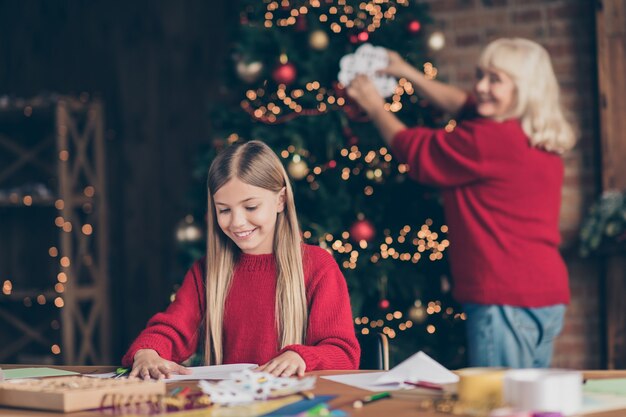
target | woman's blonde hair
[
  {"x": 537, "y": 107},
  {"x": 254, "y": 163}
]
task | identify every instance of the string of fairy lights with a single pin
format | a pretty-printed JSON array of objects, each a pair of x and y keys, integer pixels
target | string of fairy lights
[
  {"x": 283, "y": 104},
  {"x": 368, "y": 16},
  {"x": 407, "y": 245},
  {"x": 64, "y": 262},
  {"x": 396, "y": 322}
]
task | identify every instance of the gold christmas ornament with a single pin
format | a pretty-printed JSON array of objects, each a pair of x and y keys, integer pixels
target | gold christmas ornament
[
  {"x": 318, "y": 39},
  {"x": 417, "y": 312},
  {"x": 437, "y": 41},
  {"x": 249, "y": 72},
  {"x": 298, "y": 169},
  {"x": 188, "y": 230}
]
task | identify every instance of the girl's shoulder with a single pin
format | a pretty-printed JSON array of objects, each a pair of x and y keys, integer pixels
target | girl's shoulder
[
  {"x": 199, "y": 264},
  {"x": 316, "y": 259},
  {"x": 320, "y": 269},
  {"x": 316, "y": 254},
  {"x": 197, "y": 270}
]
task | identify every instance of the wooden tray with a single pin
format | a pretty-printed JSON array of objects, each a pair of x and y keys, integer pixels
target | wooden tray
[{"x": 74, "y": 393}]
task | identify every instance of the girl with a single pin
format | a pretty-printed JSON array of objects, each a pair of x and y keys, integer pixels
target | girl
[
  {"x": 500, "y": 175},
  {"x": 260, "y": 295}
]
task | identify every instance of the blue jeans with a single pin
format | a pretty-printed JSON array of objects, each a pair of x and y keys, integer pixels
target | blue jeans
[{"x": 514, "y": 337}]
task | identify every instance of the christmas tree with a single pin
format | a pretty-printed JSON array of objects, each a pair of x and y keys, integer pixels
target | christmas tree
[{"x": 385, "y": 231}]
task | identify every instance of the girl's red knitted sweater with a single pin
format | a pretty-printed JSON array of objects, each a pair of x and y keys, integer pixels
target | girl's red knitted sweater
[{"x": 249, "y": 329}]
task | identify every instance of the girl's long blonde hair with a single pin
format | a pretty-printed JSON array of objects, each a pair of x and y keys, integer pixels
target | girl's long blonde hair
[
  {"x": 538, "y": 107},
  {"x": 254, "y": 163}
]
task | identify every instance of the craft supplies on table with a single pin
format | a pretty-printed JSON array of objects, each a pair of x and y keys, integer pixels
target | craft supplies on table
[
  {"x": 248, "y": 386},
  {"x": 417, "y": 369},
  {"x": 73, "y": 393},
  {"x": 481, "y": 388}
]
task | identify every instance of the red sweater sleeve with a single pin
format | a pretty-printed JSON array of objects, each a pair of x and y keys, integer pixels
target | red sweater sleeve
[
  {"x": 441, "y": 158},
  {"x": 330, "y": 341},
  {"x": 174, "y": 332}
]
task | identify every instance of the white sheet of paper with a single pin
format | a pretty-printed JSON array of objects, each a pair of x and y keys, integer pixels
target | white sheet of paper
[
  {"x": 212, "y": 372},
  {"x": 596, "y": 403},
  {"x": 367, "y": 381},
  {"x": 418, "y": 367},
  {"x": 104, "y": 376},
  {"x": 199, "y": 372}
]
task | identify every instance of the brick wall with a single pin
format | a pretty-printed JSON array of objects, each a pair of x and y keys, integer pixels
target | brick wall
[{"x": 567, "y": 29}]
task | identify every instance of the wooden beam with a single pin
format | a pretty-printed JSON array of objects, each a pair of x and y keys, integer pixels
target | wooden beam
[
  {"x": 611, "y": 36},
  {"x": 86, "y": 284},
  {"x": 611, "y": 41}
]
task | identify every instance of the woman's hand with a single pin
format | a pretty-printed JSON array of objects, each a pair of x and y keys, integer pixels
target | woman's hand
[
  {"x": 148, "y": 364},
  {"x": 287, "y": 363},
  {"x": 397, "y": 66},
  {"x": 364, "y": 92}
]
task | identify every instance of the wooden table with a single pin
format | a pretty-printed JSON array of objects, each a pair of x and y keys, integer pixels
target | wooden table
[{"x": 345, "y": 396}]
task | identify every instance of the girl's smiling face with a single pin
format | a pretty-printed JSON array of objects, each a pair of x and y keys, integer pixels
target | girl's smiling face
[{"x": 247, "y": 215}]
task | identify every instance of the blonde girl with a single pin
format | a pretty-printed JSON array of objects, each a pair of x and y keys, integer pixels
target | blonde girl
[
  {"x": 261, "y": 295},
  {"x": 500, "y": 175}
]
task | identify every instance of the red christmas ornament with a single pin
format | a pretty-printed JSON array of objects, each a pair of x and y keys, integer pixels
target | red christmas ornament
[
  {"x": 354, "y": 39},
  {"x": 285, "y": 73},
  {"x": 362, "y": 230},
  {"x": 414, "y": 26},
  {"x": 332, "y": 164},
  {"x": 384, "y": 304},
  {"x": 363, "y": 36}
]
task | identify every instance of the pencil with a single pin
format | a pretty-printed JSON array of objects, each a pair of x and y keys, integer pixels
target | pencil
[
  {"x": 425, "y": 384},
  {"x": 370, "y": 399}
]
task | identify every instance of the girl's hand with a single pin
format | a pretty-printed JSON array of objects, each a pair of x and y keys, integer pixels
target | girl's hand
[
  {"x": 364, "y": 92},
  {"x": 148, "y": 364},
  {"x": 286, "y": 364}
]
